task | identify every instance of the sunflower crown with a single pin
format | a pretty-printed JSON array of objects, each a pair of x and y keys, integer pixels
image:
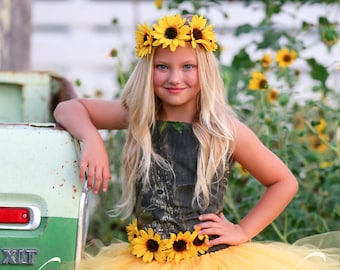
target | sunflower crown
[
  {"x": 174, "y": 31},
  {"x": 149, "y": 246}
]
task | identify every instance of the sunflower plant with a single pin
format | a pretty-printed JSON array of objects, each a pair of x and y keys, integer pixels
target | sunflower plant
[{"x": 300, "y": 129}]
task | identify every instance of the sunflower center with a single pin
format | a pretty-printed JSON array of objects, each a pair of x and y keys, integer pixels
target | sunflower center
[
  {"x": 180, "y": 245},
  {"x": 145, "y": 37},
  {"x": 317, "y": 143},
  {"x": 198, "y": 242},
  {"x": 171, "y": 33},
  {"x": 287, "y": 58},
  {"x": 273, "y": 95},
  {"x": 152, "y": 245},
  {"x": 197, "y": 34},
  {"x": 263, "y": 84},
  {"x": 265, "y": 62}
]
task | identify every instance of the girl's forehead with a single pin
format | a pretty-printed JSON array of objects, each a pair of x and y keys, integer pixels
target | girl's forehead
[{"x": 181, "y": 53}]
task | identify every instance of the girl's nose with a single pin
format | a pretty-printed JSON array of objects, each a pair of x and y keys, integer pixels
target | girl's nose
[{"x": 174, "y": 77}]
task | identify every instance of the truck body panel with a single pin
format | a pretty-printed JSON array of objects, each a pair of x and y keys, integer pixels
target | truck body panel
[{"x": 43, "y": 203}]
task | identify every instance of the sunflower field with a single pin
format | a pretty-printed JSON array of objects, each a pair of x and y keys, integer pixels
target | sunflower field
[{"x": 262, "y": 83}]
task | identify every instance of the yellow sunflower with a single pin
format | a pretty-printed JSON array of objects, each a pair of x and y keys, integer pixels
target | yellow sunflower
[
  {"x": 321, "y": 126},
  {"x": 143, "y": 40},
  {"x": 242, "y": 170},
  {"x": 202, "y": 34},
  {"x": 132, "y": 230},
  {"x": 171, "y": 31},
  {"x": 317, "y": 143},
  {"x": 199, "y": 242},
  {"x": 266, "y": 60},
  {"x": 326, "y": 164},
  {"x": 285, "y": 57},
  {"x": 181, "y": 246},
  {"x": 272, "y": 95},
  {"x": 158, "y": 3},
  {"x": 258, "y": 81},
  {"x": 149, "y": 246}
]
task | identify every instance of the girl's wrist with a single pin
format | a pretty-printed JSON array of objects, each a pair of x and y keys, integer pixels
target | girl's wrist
[
  {"x": 91, "y": 136},
  {"x": 242, "y": 233}
]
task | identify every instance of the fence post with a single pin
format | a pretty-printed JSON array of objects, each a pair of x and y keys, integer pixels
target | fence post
[{"x": 15, "y": 34}]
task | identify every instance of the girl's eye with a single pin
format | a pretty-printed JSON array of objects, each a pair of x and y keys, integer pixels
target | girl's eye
[
  {"x": 188, "y": 66},
  {"x": 160, "y": 66}
]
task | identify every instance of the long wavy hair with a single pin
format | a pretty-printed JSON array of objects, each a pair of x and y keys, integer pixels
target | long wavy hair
[{"x": 213, "y": 126}]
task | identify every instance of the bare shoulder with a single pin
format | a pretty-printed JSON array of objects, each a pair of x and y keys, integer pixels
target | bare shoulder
[
  {"x": 242, "y": 132},
  {"x": 248, "y": 147},
  {"x": 257, "y": 158}
]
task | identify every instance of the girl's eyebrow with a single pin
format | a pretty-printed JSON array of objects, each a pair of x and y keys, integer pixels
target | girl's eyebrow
[{"x": 183, "y": 62}]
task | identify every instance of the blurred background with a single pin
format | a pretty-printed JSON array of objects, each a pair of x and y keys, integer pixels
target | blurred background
[{"x": 74, "y": 37}]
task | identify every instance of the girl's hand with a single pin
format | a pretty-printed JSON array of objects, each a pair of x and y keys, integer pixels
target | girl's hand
[
  {"x": 83, "y": 118},
  {"x": 226, "y": 231},
  {"x": 95, "y": 163}
]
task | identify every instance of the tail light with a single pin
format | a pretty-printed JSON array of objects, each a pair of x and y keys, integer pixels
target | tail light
[
  {"x": 14, "y": 215},
  {"x": 19, "y": 218}
]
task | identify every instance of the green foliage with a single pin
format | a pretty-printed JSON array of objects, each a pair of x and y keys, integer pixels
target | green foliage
[{"x": 304, "y": 133}]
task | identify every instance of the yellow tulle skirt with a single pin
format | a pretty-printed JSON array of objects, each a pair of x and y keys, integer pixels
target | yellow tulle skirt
[{"x": 318, "y": 252}]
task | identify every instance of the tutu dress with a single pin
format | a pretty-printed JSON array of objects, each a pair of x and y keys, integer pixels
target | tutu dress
[{"x": 162, "y": 237}]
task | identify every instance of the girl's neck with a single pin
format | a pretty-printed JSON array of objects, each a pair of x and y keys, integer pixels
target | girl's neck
[{"x": 175, "y": 116}]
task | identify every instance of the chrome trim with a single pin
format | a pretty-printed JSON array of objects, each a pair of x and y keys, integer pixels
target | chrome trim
[{"x": 83, "y": 222}]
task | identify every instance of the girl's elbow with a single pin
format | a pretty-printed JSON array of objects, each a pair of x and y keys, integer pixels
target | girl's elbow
[
  {"x": 63, "y": 110},
  {"x": 58, "y": 111}
]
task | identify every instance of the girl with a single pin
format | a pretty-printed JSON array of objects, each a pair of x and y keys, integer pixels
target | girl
[{"x": 182, "y": 139}]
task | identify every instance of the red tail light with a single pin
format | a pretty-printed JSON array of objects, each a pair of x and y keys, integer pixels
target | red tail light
[{"x": 14, "y": 215}]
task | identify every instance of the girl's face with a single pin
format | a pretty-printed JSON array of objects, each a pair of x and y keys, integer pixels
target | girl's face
[{"x": 176, "y": 83}]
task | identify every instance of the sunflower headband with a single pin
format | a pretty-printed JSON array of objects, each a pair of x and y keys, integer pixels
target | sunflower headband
[{"x": 174, "y": 31}]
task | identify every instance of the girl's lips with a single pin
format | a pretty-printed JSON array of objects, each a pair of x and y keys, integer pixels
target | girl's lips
[{"x": 174, "y": 90}]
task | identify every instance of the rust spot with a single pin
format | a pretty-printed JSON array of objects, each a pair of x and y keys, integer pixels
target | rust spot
[
  {"x": 61, "y": 185},
  {"x": 62, "y": 166},
  {"x": 73, "y": 197},
  {"x": 74, "y": 188},
  {"x": 75, "y": 164}
]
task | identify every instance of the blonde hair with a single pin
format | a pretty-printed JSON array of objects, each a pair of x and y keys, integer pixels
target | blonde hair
[{"x": 212, "y": 126}]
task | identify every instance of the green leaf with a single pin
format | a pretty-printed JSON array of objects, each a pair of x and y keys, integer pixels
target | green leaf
[
  {"x": 318, "y": 71},
  {"x": 270, "y": 39},
  {"x": 324, "y": 21},
  {"x": 244, "y": 29},
  {"x": 242, "y": 60},
  {"x": 78, "y": 82}
]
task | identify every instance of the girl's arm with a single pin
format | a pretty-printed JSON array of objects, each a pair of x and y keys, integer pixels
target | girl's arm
[
  {"x": 82, "y": 118},
  {"x": 268, "y": 169}
]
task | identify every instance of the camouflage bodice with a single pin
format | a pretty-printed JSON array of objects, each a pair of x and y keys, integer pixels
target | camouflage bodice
[{"x": 166, "y": 204}]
